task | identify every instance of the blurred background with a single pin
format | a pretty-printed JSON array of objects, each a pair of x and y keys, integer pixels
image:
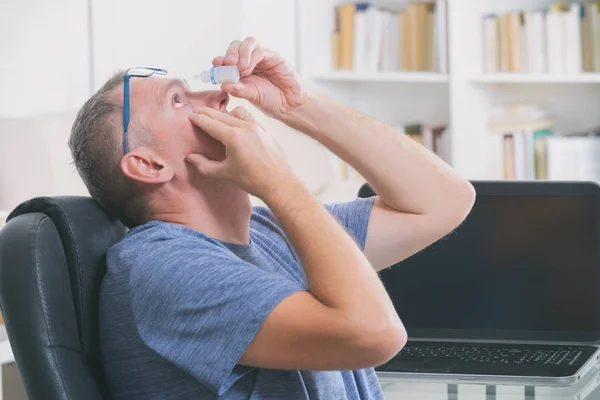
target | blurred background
[{"x": 500, "y": 89}]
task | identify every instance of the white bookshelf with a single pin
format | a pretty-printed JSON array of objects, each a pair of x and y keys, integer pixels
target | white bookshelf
[{"x": 462, "y": 98}]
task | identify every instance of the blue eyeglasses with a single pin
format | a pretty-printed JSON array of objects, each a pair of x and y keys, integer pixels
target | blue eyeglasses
[{"x": 140, "y": 72}]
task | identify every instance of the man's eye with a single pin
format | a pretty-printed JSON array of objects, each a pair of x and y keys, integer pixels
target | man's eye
[{"x": 177, "y": 101}]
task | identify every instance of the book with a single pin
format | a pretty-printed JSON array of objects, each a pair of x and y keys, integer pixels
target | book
[
  {"x": 586, "y": 41},
  {"x": 441, "y": 37},
  {"x": 430, "y": 57},
  {"x": 415, "y": 132},
  {"x": 418, "y": 28},
  {"x": 556, "y": 38},
  {"x": 405, "y": 46},
  {"x": 390, "y": 42},
  {"x": 491, "y": 44},
  {"x": 359, "y": 61},
  {"x": 336, "y": 61},
  {"x": 345, "y": 16},
  {"x": 540, "y": 139},
  {"x": 535, "y": 41},
  {"x": 509, "y": 157},
  {"x": 593, "y": 9},
  {"x": 514, "y": 42},
  {"x": 374, "y": 38},
  {"x": 572, "y": 40},
  {"x": 505, "y": 53},
  {"x": 523, "y": 45}
]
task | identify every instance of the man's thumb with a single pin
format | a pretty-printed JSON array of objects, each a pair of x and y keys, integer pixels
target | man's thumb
[
  {"x": 203, "y": 165},
  {"x": 240, "y": 90}
]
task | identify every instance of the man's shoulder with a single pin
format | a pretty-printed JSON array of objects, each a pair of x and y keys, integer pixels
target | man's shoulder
[{"x": 157, "y": 245}]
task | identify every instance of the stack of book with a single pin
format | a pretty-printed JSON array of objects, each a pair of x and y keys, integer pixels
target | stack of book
[
  {"x": 564, "y": 39},
  {"x": 525, "y": 129},
  {"x": 368, "y": 38}
]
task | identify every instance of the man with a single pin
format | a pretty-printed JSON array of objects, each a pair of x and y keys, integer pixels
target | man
[{"x": 207, "y": 298}]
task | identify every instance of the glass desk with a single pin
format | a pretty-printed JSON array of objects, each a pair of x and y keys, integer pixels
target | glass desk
[{"x": 399, "y": 389}]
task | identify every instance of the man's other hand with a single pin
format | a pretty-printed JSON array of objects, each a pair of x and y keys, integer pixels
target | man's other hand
[
  {"x": 266, "y": 79},
  {"x": 254, "y": 161}
]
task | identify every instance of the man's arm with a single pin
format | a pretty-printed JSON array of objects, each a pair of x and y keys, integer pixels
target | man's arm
[
  {"x": 346, "y": 319},
  {"x": 421, "y": 199}
]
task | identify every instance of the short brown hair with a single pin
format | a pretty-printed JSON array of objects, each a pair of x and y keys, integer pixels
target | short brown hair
[{"x": 97, "y": 151}]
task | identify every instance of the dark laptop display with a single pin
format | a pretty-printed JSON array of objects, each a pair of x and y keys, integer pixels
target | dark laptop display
[
  {"x": 522, "y": 268},
  {"x": 525, "y": 265}
]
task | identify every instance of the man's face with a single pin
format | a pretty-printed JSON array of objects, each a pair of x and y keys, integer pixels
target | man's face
[{"x": 163, "y": 105}]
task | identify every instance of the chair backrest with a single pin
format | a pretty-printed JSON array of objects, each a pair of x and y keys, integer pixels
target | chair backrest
[
  {"x": 52, "y": 261},
  {"x": 366, "y": 191}
]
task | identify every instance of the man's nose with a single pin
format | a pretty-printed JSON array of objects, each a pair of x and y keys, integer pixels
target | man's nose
[{"x": 213, "y": 98}]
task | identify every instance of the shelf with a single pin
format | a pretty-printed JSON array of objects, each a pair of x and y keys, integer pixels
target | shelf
[
  {"x": 405, "y": 77},
  {"x": 509, "y": 78}
]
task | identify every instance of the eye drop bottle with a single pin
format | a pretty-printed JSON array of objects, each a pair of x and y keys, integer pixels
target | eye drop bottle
[{"x": 218, "y": 75}]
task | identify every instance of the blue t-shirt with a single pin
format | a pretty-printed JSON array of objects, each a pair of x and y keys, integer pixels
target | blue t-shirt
[{"x": 178, "y": 309}]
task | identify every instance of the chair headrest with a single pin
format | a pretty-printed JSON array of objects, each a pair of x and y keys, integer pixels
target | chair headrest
[{"x": 86, "y": 232}]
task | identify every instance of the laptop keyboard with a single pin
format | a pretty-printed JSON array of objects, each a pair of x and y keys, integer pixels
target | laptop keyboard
[{"x": 489, "y": 354}]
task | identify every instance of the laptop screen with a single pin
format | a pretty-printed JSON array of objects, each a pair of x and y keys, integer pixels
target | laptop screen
[{"x": 520, "y": 267}]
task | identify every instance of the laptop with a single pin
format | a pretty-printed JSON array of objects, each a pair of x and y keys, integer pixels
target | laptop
[{"x": 511, "y": 296}]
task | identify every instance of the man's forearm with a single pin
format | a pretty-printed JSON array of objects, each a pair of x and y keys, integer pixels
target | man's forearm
[
  {"x": 406, "y": 176},
  {"x": 338, "y": 273}
]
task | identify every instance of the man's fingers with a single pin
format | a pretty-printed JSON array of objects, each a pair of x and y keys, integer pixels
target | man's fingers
[
  {"x": 243, "y": 89},
  {"x": 242, "y": 114},
  {"x": 218, "y": 61},
  {"x": 206, "y": 167},
  {"x": 256, "y": 57},
  {"x": 224, "y": 118},
  {"x": 212, "y": 126},
  {"x": 232, "y": 53},
  {"x": 246, "y": 50}
]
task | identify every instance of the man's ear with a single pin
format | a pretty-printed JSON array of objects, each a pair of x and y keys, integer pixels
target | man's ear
[{"x": 144, "y": 165}]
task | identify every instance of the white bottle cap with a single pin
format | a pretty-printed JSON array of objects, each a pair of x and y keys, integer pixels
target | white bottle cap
[{"x": 205, "y": 76}]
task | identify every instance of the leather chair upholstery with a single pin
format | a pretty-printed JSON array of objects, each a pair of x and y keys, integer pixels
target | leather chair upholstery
[
  {"x": 366, "y": 191},
  {"x": 52, "y": 261}
]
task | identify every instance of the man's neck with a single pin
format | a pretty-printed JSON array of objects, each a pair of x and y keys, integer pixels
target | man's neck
[{"x": 220, "y": 211}]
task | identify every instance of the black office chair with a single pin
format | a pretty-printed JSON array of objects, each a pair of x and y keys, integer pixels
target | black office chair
[
  {"x": 366, "y": 191},
  {"x": 52, "y": 260}
]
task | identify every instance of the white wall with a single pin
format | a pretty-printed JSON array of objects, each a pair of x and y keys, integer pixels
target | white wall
[
  {"x": 182, "y": 36},
  {"x": 43, "y": 56}
]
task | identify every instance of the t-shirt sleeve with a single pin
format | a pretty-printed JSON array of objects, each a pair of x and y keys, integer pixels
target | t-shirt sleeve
[
  {"x": 200, "y": 306},
  {"x": 354, "y": 216}
]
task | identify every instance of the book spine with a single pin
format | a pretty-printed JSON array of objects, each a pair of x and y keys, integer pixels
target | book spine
[
  {"x": 441, "y": 46},
  {"x": 595, "y": 20},
  {"x": 360, "y": 46},
  {"x": 346, "y": 20},
  {"x": 554, "y": 42},
  {"x": 504, "y": 43},
  {"x": 519, "y": 156},
  {"x": 509, "y": 157},
  {"x": 586, "y": 37},
  {"x": 574, "y": 56},
  {"x": 491, "y": 43},
  {"x": 514, "y": 39},
  {"x": 406, "y": 45}
]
